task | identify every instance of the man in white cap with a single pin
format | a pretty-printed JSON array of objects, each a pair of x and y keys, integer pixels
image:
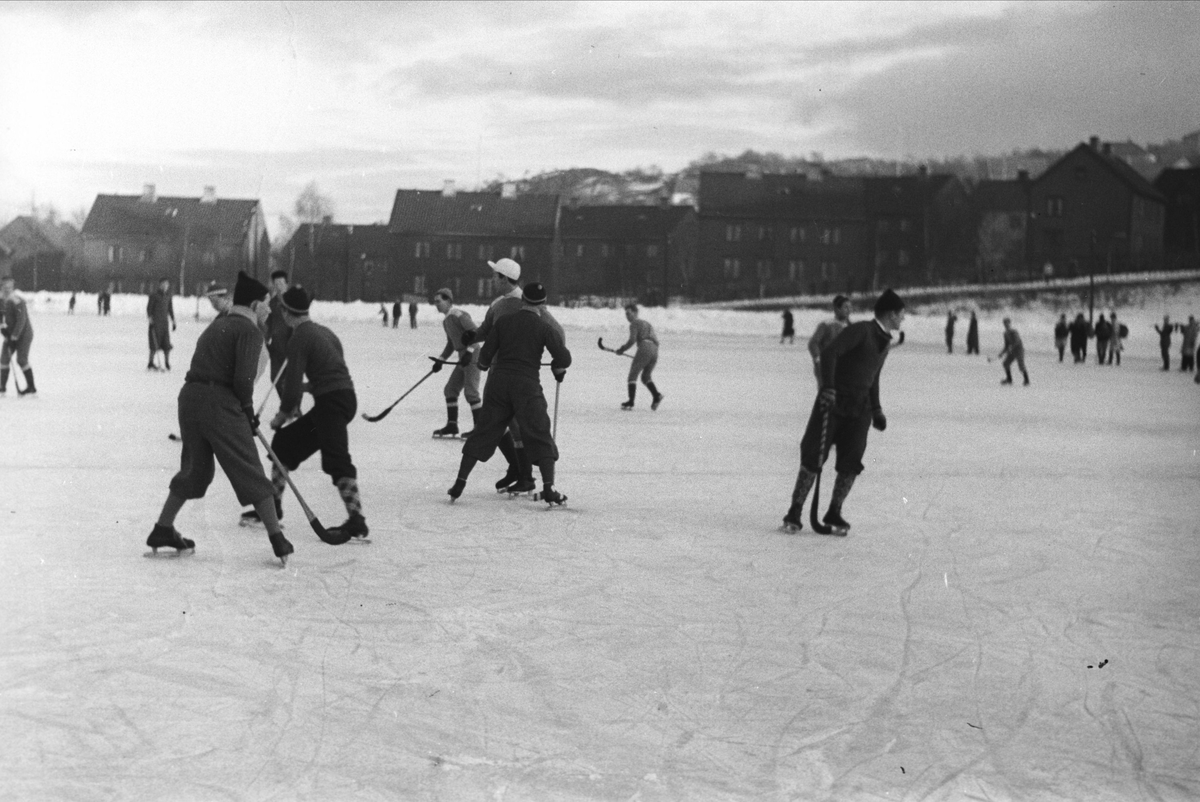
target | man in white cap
[{"x": 507, "y": 275}]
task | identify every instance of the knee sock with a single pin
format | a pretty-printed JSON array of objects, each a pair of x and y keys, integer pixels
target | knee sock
[
  {"x": 632, "y": 391},
  {"x": 348, "y": 488},
  {"x": 452, "y": 411},
  {"x": 3, "y": 379},
  {"x": 653, "y": 390},
  {"x": 804, "y": 483},
  {"x": 268, "y": 514},
  {"x": 465, "y": 467},
  {"x": 524, "y": 464},
  {"x": 546, "y": 466},
  {"x": 30, "y": 387},
  {"x": 171, "y": 508},
  {"x": 841, "y": 489},
  {"x": 278, "y": 482}
]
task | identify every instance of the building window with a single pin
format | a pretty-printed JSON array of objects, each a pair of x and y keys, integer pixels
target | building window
[
  {"x": 209, "y": 259},
  {"x": 902, "y": 258},
  {"x": 796, "y": 270},
  {"x": 828, "y": 270},
  {"x": 764, "y": 233},
  {"x": 454, "y": 250},
  {"x": 797, "y": 234},
  {"x": 905, "y": 224},
  {"x": 764, "y": 269},
  {"x": 604, "y": 249},
  {"x": 652, "y": 251},
  {"x": 517, "y": 252},
  {"x": 487, "y": 252},
  {"x": 837, "y": 235},
  {"x": 733, "y": 233},
  {"x": 419, "y": 285},
  {"x": 733, "y": 268},
  {"x": 481, "y": 288},
  {"x": 421, "y": 250},
  {"x": 1054, "y": 206},
  {"x": 826, "y": 235},
  {"x": 579, "y": 251}
]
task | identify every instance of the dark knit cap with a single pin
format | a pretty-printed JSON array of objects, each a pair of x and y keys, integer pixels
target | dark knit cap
[
  {"x": 248, "y": 290},
  {"x": 296, "y": 301},
  {"x": 888, "y": 302},
  {"x": 534, "y": 293}
]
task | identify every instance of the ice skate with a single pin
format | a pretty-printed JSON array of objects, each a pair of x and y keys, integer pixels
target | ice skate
[
  {"x": 834, "y": 519},
  {"x": 450, "y": 430},
  {"x": 792, "y": 522},
  {"x": 521, "y": 487},
  {"x": 28, "y": 392},
  {"x": 551, "y": 497},
  {"x": 354, "y": 528},
  {"x": 509, "y": 478},
  {"x": 162, "y": 537},
  {"x": 628, "y": 405},
  {"x": 1006, "y": 381},
  {"x": 456, "y": 489},
  {"x": 657, "y": 400},
  {"x": 281, "y": 546}
]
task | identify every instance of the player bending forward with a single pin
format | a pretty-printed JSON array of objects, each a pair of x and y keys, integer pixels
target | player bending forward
[
  {"x": 847, "y": 406},
  {"x": 513, "y": 390},
  {"x": 314, "y": 352},
  {"x": 465, "y": 376},
  {"x": 17, "y": 332},
  {"x": 641, "y": 334},
  {"x": 217, "y": 421},
  {"x": 1014, "y": 351}
]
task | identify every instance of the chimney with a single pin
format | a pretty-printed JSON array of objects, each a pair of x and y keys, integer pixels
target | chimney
[
  {"x": 210, "y": 195},
  {"x": 448, "y": 190},
  {"x": 923, "y": 171},
  {"x": 1094, "y": 142},
  {"x": 327, "y": 219},
  {"x": 148, "y": 195},
  {"x": 508, "y": 190},
  {"x": 1023, "y": 176}
]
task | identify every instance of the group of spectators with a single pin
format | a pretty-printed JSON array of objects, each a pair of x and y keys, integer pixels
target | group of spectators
[{"x": 1110, "y": 335}]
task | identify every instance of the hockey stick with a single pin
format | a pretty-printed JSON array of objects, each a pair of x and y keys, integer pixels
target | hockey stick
[
  {"x": 813, "y": 520},
  {"x": 554, "y": 429},
  {"x": 600, "y": 343},
  {"x": 274, "y": 386},
  {"x": 384, "y": 414},
  {"x": 321, "y": 531}
]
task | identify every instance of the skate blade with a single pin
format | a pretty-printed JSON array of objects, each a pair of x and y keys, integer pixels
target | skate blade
[
  {"x": 363, "y": 540},
  {"x": 552, "y": 504},
  {"x": 446, "y": 437},
  {"x": 169, "y": 555},
  {"x": 790, "y": 529}
]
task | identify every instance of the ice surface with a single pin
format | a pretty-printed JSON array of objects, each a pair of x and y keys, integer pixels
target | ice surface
[{"x": 1015, "y": 614}]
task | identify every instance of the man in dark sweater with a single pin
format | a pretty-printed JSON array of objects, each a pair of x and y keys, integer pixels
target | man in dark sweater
[
  {"x": 315, "y": 353},
  {"x": 846, "y": 407},
  {"x": 217, "y": 421},
  {"x": 278, "y": 331},
  {"x": 514, "y": 347}
]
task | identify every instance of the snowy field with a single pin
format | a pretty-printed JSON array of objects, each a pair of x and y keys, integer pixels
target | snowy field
[{"x": 1014, "y": 616}]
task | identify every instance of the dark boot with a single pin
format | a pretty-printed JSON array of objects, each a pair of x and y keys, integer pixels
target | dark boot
[
  {"x": 632, "y": 394},
  {"x": 525, "y": 483},
  {"x": 30, "y": 387},
  {"x": 514, "y": 468},
  {"x": 166, "y": 537},
  {"x": 841, "y": 489},
  {"x": 281, "y": 546}
]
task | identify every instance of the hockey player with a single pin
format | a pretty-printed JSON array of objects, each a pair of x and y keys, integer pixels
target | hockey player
[
  {"x": 314, "y": 357},
  {"x": 1061, "y": 331},
  {"x": 217, "y": 423},
  {"x": 641, "y": 334},
  {"x": 277, "y": 329},
  {"x": 827, "y": 330},
  {"x": 218, "y": 295},
  {"x": 465, "y": 376},
  {"x": 789, "y": 328},
  {"x": 513, "y": 349},
  {"x": 847, "y": 406},
  {"x": 506, "y": 273},
  {"x": 1014, "y": 350},
  {"x": 17, "y": 333},
  {"x": 1189, "y": 330},
  {"x": 161, "y": 315}
]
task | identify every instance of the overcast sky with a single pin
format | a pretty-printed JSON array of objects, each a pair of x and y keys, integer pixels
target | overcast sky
[{"x": 258, "y": 99}]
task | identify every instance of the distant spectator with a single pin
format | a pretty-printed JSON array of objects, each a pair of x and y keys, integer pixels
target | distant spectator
[
  {"x": 412, "y": 314},
  {"x": 396, "y": 311},
  {"x": 789, "y": 328},
  {"x": 1048, "y": 272},
  {"x": 1081, "y": 331},
  {"x": 71, "y": 305},
  {"x": 383, "y": 313},
  {"x": 951, "y": 319},
  {"x": 973, "y": 335},
  {"x": 1103, "y": 335},
  {"x": 1164, "y": 340},
  {"x": 1189, "y": 330},
  {"x": 1061, "y": 331},
  {"x": 1117, "y": 344}
]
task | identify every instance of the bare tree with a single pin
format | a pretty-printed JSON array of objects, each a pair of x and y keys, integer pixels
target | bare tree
[{"x": 311, "y": 206}]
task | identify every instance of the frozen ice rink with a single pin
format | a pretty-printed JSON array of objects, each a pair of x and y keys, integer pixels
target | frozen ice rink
[{"x": 1015, "y": 614}]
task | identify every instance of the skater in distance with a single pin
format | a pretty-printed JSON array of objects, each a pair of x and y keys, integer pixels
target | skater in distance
[
  {"x": 641, "y": 334},
  {"x": 17, "y": 332},
  {"x": 315, "y": 362},
  {"x": 464, "y": 378},
  {"x": 513, "y": 350},
  {"x": 1014, "y": 351},
  {"x": 827, "y": 331},
  {"x": 217, "y": 421},
  {"x": 161, "y": 315},
  {"x": 846, "y": 407}
]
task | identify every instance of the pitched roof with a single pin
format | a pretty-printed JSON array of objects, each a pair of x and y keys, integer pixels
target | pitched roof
[
  {"x": 479, "y": 214},
  {"x": 621, "y": 222},
  {"x": 901, "y": 195},
  {"x": 373, "y": 238},
  {"x": 780, "y": 196},
  {"x": 115, "y": 217},
  {"x": 1118, "y": 167},
  {"x": 25, "y": 236}
]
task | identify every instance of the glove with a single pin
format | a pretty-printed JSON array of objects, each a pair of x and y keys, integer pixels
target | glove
[
  {"x": 828, "y": 397},
  {"x": 251, "y": 418},
  {"x": 437, "y": 367},
  {"x": 559, "y": 375},
  {"x": 173, "y": 326},
  {"x": 465, "y": 359},
  {"x": 879, "y": 420},
  {"x": 621, "y": 350},
  {"x": 280, "y": 420},
  {"x": 469, "y": 336},
  {"x": 4, "y": 332}
]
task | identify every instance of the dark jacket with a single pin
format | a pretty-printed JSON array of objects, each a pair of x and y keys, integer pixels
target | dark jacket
[
  {"x": 852, "y": 362},
  {"x": 316, "y": 352},
  {"x": 227, "y": 354},
  {"x": 516, "y": 342}
]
